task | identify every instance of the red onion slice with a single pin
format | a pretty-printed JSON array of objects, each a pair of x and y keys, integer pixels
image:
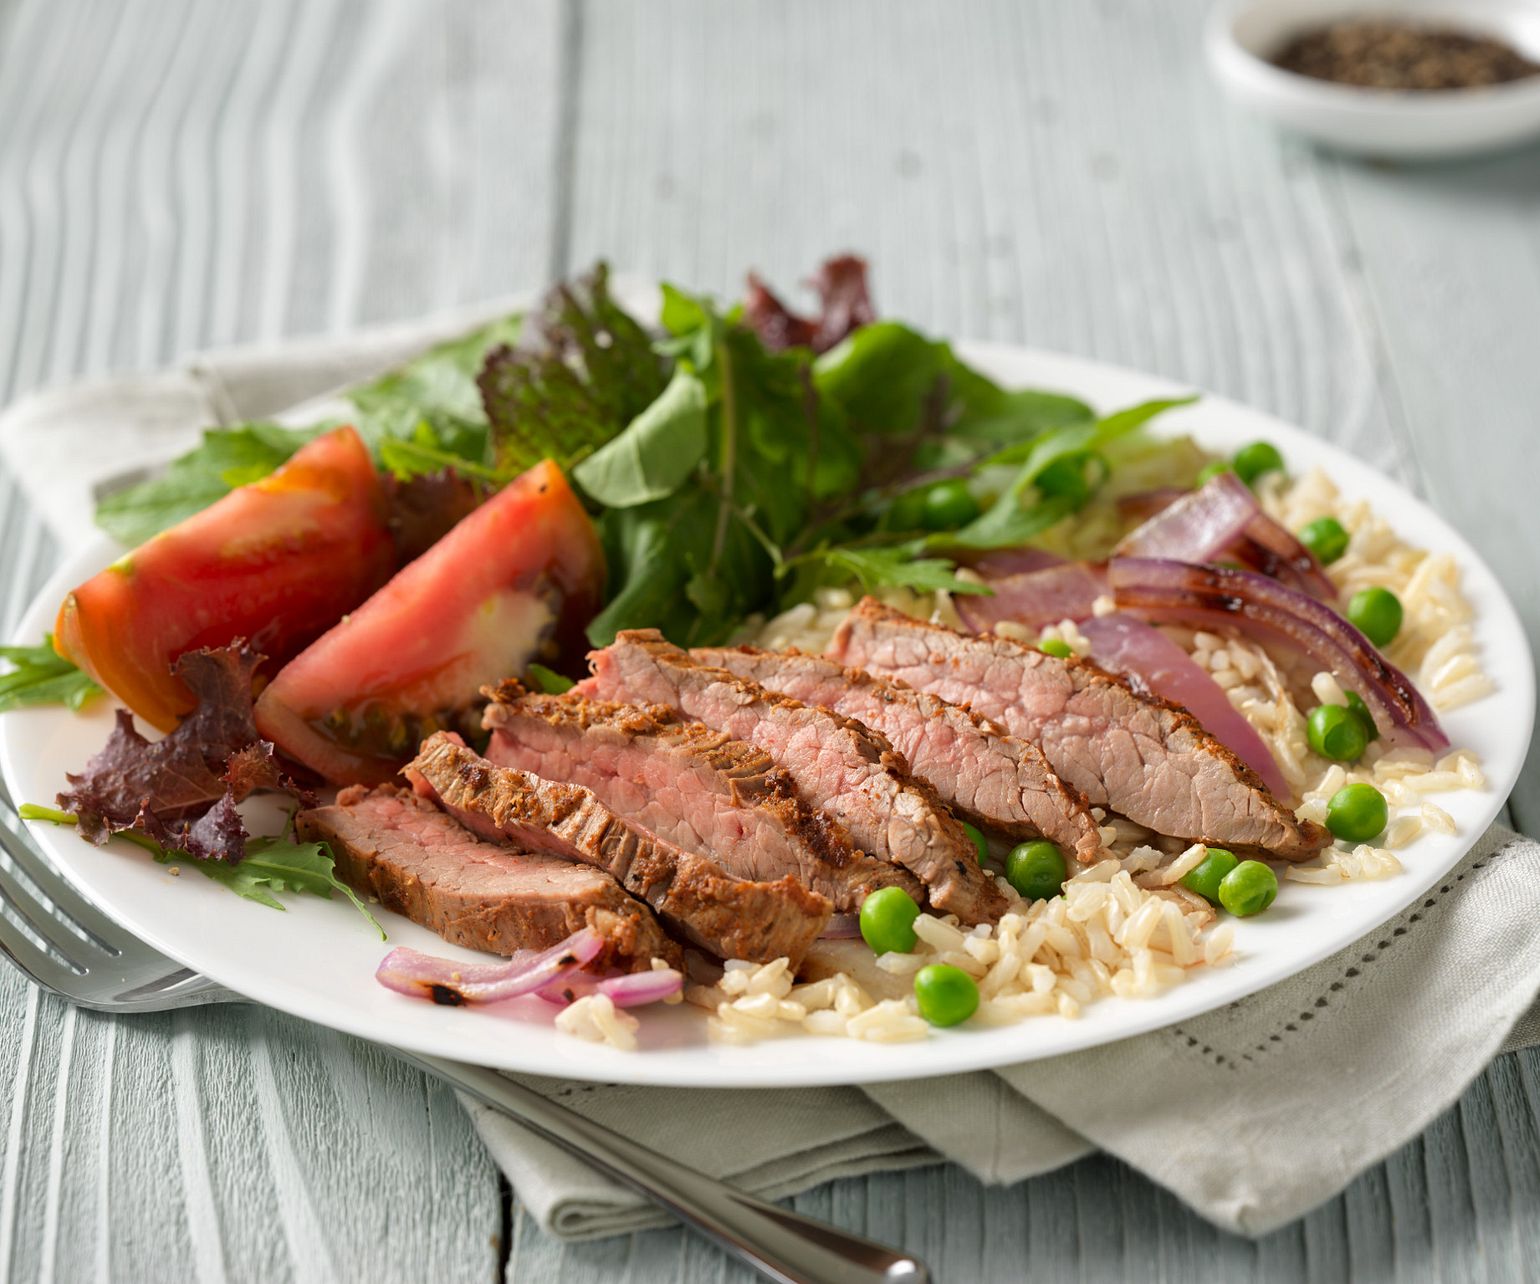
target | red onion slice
[
  {"x": 1144, "y": 504},
  {"x": 447, "y": 981},
  {"x": 1199, "y": 527},
  {"x": 841, "y": 927},
  {"x": 1161, "y": 589},
  {"x": 1152, "y": 660},
  {"x": 1220, "y": 520},
  {"x": 999, "y": 562},
  {"x": 1035, "y": 598},
  {"x": 634, "y": 990}
]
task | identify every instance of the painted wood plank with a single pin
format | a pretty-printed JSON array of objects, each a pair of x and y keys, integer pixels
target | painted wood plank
[
  {"x": 1450, "y": 262},
  {"x": 206, "y": 175}
]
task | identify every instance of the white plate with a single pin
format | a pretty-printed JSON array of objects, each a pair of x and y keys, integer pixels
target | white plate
[{"x": 317, "y": 960}]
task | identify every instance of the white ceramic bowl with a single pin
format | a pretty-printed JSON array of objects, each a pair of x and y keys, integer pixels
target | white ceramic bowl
[{"x": 1243, "y": 34}]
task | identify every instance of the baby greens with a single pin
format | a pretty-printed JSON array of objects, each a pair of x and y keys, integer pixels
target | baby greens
[{"x": 725, "y": 477}]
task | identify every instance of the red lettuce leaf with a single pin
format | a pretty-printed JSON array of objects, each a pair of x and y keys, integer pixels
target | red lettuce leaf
[
  {"x": 181, "y": 791},
  {"x": 845, "y": 304}
]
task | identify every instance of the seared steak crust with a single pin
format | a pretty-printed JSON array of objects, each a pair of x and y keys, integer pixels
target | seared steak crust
[
  {"x": 998, "y": 781},
  {"x": 485, "y": 896},
  {"x": 728, "y": 916},
  {"x": 1139, "y": 756},
  {"x": 695, "y": 787},
  {"x": 836, "y": 763}
]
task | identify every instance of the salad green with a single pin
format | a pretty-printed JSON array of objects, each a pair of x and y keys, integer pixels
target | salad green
[{"x": 725, "y": 478}]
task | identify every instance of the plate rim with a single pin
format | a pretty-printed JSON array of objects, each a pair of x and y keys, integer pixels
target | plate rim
[{"x": 945, "y": 1052}]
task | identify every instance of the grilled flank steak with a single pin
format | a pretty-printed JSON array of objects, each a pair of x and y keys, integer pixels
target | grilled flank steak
[
  {"x": 731, "y": 917},
  {"x": 998, "y": 781},
  {"x": 1139, "y": 756},
  {"x": 697, "y": 788},
  {"x": 837, "y": 765},
  {"x": 485, "y": 896}
]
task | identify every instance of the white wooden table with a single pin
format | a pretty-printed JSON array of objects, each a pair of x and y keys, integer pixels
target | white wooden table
[{"x": 181, "y": 173}]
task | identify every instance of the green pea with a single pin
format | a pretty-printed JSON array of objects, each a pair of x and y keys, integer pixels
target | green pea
[
  {"x": 1326, "y": 537},
  {"x": 1053, "y": 646},
  {"x": 949, "y": 505},
  {"x": 1357, "y": 813},
  {"x": 945, "y": 995},
  {"x": 1206, "y": 876},
  {"x": 1210, "y": 471},
  {"x": 1248, "y": 889},
  {"x": 1036, "y": 870},
  {"x": 979, "y": 841},
  {"x": 1258, "y": 458},
  {"x": 1376, "y": 613},
  {"x": 1335, "y": 732},
  {"x": 1360, "y": 710},
  {"x": 887, "y": 921}
]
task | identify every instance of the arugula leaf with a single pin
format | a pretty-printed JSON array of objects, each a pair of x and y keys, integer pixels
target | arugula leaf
[
  {"x": 583, "y": 370},
  {"x": 271, "y": 865},
  {"x": 898, "y": 566},
  {"x": 653, "y": 455},
  {"x": 404, "y": 460},
  {"x": 275, "y": 865},
  {"x": 228, "y": 457},
  {"x": 42, "y": 676}
]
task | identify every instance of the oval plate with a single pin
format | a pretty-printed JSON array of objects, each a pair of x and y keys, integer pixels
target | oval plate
[{"x": 317, "y": 960}]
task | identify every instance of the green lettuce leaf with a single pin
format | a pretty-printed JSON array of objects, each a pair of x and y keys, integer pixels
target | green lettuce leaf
[
  {"x": 273, "y": 866},
  {"x": 656, "y": 451},
  {"x": 42, "y": 676},
  {"x": 228, "y": 457}
]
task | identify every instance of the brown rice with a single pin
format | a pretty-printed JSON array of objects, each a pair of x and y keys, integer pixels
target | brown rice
[{"x": 1125, "y": 926}]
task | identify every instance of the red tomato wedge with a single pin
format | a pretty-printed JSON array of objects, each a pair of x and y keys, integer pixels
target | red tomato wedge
[
  {"x": 515, "y": 581},
  {"x": 276, "y": 562}
]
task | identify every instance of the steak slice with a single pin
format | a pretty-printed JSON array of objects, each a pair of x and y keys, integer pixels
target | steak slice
[
  {"x": 731, "y": 917},
  {"x": 419, "y": 862},
  {"x": 998, "y": 781},
  {"x": 1139, "y": 756},
  {"x": 837, "y": 765},
  {"x": 700, "y": 790}
]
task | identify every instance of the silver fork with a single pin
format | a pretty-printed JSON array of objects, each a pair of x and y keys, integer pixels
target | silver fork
[{"x": 92, "y": 962}]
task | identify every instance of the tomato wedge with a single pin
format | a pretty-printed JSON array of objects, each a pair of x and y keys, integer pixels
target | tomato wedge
[
  {"x": 517, "y": 580},
  {"x": 276, "y": 562}
]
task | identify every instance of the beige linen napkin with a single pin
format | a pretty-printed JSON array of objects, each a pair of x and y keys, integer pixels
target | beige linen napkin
[{"x": 1252, "y": 1114}]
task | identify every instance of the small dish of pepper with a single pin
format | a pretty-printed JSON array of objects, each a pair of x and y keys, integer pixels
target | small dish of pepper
[{"x": 1417, "y": 79}]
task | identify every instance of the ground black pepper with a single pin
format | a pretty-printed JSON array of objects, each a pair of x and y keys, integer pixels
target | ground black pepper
[{"x": 1386, "y": 54}]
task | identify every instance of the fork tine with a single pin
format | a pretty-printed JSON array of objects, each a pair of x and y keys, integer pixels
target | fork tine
[
  {"x": 62, "y": 899},
  {"x": 40, "y": 967},
  {"x": 75, "y": 950}
]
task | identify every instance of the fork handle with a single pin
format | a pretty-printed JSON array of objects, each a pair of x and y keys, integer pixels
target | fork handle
[{"x": 781, "y": 1244}]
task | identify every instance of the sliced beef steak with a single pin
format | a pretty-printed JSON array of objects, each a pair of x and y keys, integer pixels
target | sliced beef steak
[
  {"x": 997, "y": 781},
  {"x": 697, "y": 788},
  {"x": 419, "y": 862},
  {"x": 731, "y": 917},
  {"x": 837, "y": 765},
  {"x": 1141, "y": 757}
]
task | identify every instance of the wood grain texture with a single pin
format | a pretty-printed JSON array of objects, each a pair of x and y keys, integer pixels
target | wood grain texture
[{"x": 191, "y": 173}]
